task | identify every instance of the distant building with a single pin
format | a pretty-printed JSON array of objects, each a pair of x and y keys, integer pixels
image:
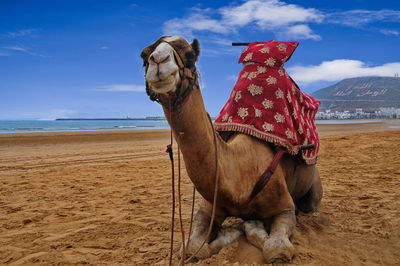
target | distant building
[
  {"x": 382, "y": 112},
  {"x": 388, "y": 112}
]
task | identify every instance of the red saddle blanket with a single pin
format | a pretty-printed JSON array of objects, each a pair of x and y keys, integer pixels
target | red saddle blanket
[{"x": 267, "y": 104}]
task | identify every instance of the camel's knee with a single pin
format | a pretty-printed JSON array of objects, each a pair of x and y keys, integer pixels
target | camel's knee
[
  {"x": 202, "y": 220},
  {"x": 200, "y": 242},
  {"x": 312, "y": 199}
]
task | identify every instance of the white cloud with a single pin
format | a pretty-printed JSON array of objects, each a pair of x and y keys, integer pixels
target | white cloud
[
  {"x": 361, "y": 17},
  {"x": 104, "y": 47},
  {"x": 300, "y": 32},
  {"x": 16, "y": 48},
  {"x": 271, "y": 15},
  {"x": 194, "y": 22},
  {"x": 390, "y": 32},
  {"x": 20, "y": 33},
  {"x": 340, "y": 69},
  {"x": 21, "y": 49},
  {"x": 285, "y": 20},
  {"x": 121, "y": 87}
]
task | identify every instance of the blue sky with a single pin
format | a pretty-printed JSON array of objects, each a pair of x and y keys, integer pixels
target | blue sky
[{"x": 81, "y": 58}]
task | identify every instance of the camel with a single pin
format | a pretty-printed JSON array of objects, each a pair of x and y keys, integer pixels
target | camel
[{"x": 269, "y": 218}]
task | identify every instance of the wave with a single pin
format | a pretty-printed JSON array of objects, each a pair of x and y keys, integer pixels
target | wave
[{"x": 125, "y": 126}]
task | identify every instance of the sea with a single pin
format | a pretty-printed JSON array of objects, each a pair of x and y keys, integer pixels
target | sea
[{"x": 26, "y": 126}]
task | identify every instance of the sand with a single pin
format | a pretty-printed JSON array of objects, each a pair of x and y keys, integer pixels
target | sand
[{"x": 103, "y": 198}]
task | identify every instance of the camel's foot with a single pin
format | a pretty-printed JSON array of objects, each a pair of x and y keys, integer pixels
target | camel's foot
[
  {"x": 278, "y": 250},
  {"x": 225, "y": 237},
  {"x": 255, "y": 233},
  {"x": 193, "y": 249}
]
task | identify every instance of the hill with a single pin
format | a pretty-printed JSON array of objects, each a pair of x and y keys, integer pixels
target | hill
[{"x": 368, "y": 93}]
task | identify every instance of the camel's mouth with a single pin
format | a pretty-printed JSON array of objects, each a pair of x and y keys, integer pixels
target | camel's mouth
[{"x": 164, "y": 85}]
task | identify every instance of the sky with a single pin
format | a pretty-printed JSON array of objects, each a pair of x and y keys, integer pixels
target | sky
[{"x": 70, "y": 58}]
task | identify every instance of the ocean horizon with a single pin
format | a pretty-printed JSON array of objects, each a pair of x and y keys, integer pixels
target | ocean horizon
[
  {"x": 34, "y": 126},
  {"x": 27, "y": 126}
]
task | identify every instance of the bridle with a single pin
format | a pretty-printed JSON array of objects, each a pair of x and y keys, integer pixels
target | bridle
[{"x": 189, "y": 82}]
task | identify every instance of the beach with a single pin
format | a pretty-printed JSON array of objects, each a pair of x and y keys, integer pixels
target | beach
[{"x": 104, "y": 198}]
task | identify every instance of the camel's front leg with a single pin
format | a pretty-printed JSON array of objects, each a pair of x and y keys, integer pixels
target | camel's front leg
[
  {"x": 201, "y": 224},
  {"x": 276, "y": 247}
]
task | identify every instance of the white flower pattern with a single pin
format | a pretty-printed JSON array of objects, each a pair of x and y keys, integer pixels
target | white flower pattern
[
  {"x": 248, "y": 57},
  {"x": 279, "y": 118},
  {"x": 289, "y": 134},
  {"x": 268, "y": 104},
  {"x": 279, "y": 93},
  {"x": 252, "y": 75},
  {"x": 271, "y": 80},
  {"x": 270, "y": 62},
  {"x": 264, "y": 50},
  {"x": 254, "y": 89},
  {"x": 300, "y": 130},
  {"x": 293, "y": 89},
  {"x": 282, "y": 47},
  {"x": 242, "y": 112},
  {"x": 289, "y": 97},
  {"x": 261, "y": 69},
  {"x": 238, "y": 96},
  {"x": 294, "y": 114},
  {"x": 257, "y": 112},
  {"x": 268, "y": 127}
]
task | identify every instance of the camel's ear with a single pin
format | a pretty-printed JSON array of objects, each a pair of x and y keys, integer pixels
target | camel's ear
[
  {"x": 196, "y": 48},
  {"x": 144, "y": 55}
]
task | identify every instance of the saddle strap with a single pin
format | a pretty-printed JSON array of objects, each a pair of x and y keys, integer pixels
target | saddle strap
[{"x": 266, "y": 176}]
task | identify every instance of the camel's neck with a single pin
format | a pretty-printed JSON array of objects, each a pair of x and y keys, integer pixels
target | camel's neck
[{"x": 195, "y": 136}]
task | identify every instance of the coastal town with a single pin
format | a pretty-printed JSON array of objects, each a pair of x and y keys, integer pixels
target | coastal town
[{"x": 359, "y": 113}]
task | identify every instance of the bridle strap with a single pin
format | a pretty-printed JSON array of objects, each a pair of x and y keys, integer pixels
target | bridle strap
[
  {"x": 215, "y": 196},
  {"x": 177, "y": 57}
]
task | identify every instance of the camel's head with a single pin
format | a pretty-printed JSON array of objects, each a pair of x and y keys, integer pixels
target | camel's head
[{"x": 170, "y": 67}]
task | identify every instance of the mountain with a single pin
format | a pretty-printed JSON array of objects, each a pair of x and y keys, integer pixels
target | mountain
[{"x": 368, "y": 93}]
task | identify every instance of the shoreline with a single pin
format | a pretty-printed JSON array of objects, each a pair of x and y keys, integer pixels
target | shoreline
[
  {"x": 157, "y": 134},
  {"x": 15, "y": 127}
]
